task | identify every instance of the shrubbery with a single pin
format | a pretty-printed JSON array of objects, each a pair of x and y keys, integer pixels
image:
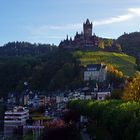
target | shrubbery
[{"x": 120, "y": 118}]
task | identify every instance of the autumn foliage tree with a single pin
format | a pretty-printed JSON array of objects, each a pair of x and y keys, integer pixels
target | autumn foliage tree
[
  {"x": 132, "y": 89},
  {"x": 101, "y": 44},
  {"x": 114, "y": 71},
  {"x": 109, "y": 42},
  {"x": 114, "y": 76}
]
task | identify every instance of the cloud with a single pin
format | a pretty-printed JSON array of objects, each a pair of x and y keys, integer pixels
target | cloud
[
  {"x": 68, "y": 26},
  {"x": 44, "y": 29},
  {"x": 131, "y": 13},
  {"x": 112, "y": 20},
  {"x": 134, "y": 11}
]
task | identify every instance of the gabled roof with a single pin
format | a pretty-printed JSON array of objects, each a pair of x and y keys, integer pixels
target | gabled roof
[{"x": 94, "y": 67}]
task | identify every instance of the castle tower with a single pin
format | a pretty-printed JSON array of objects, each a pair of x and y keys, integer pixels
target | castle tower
[{"x": 87, "y": 28}]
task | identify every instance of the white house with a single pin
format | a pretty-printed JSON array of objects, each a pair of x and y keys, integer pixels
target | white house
[{"x": 96, "y": 72}]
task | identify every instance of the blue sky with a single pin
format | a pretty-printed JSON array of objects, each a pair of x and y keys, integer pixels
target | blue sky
[{"x": 49, "y": 21}]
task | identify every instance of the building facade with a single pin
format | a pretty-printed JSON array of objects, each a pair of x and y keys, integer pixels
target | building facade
[
  {"x": 102, "y": 95},
  {"x": 15, "y": 118},
  {"x": 96, "y": 72}
]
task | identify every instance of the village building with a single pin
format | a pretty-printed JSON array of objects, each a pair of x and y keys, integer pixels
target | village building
[
  {"x": 15, "y": 118},
  {"x": 96, "y": 72},
  {"x": 103, "y": 95}
]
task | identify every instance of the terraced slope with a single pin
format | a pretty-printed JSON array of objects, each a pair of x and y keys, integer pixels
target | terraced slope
[{"x": 123, "y": 62}]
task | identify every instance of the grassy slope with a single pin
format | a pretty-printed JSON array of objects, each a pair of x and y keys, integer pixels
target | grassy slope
[{"x": 123, "y": 62}]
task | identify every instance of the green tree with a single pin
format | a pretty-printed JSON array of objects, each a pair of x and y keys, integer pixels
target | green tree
[
  {"x": 119, "y": 48},
  {"x": 116, "y": 117},
  {"x": 117, "y": 94}
]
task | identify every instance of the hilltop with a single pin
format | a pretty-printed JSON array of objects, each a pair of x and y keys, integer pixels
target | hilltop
[
  {"x": 25, "y": 49},
  {"x": 123, "y": 62},
  {"x": 130, "y": 43},
  {"x": 42, "y": 66}
]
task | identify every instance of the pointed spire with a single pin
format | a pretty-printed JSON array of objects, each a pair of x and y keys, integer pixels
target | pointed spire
[
  {"x": 67, "y": 37},
  {"x": 87, "y": 22}
]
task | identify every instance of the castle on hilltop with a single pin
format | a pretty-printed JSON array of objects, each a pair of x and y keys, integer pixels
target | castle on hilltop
[{"x": 84, "y": 40}]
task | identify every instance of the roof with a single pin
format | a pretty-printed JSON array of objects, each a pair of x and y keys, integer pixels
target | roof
[
  {"x": 85, "y": 88},
  {"x": 87, "y": 21},
  {"x": 94, "y": 67},
  {"x": 17, "y": 110}
]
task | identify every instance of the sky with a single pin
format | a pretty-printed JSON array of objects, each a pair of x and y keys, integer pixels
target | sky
[{"x": 50, "y": 21}]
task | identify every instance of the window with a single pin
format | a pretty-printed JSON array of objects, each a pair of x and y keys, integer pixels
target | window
[{"x": 100, "y": 98}]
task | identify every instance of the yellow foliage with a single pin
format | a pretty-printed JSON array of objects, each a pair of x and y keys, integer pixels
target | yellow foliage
[
  {"x": 112, "y": 69},
  {"x": 132, "y": 89},
  {"x": 101, "y": 44}
]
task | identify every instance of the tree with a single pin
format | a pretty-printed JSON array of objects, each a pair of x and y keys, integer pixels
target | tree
[
  {"x": 101, "y": 44},
  {"x": 109, "y": 42},
  {"x": 115, "y": 117},
  {"x": 116, "y": 94},
  {"x": 132, "y": 89},
  {"x": 114, "y": 76},
  {"x": 119, "y": 48},
  {"x": 130, "y": 43},
  {"x": 138, "y": 60}
]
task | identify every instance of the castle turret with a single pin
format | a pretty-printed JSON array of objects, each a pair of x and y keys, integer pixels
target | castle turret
[
  {"x": 87, "y": 28},
  {"x": 83, "y": 40}
]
